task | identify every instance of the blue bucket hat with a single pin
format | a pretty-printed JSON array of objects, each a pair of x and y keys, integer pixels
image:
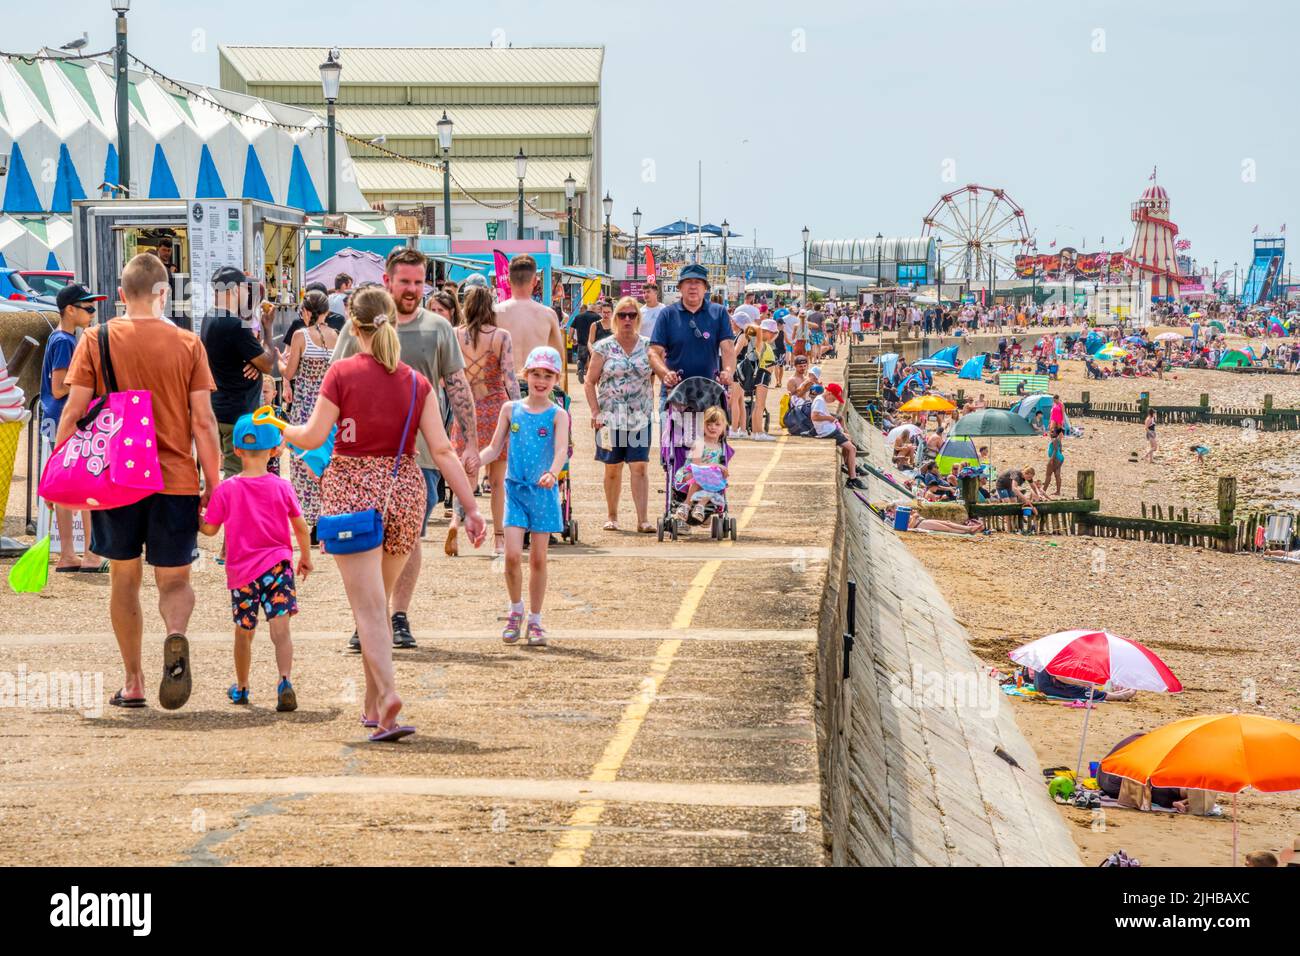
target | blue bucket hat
[{"x": 693, "y": 271}]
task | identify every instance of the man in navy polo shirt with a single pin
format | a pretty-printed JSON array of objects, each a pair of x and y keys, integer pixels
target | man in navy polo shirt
[{"x": 693, "y": 336}]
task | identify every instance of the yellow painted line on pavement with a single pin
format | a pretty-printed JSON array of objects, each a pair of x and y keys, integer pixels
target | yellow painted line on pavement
[{"x": 573, "y": 844}]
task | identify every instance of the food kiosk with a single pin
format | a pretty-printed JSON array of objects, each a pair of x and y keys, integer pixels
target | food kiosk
[{"x": 194, "y": 238}]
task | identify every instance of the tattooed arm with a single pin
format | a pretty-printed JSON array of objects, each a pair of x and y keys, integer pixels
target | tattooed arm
[
  {"x": 461, "y": 399},
  {"x": 508, "y": 368}
]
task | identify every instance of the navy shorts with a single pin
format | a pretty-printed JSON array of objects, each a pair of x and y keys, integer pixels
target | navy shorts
[
  {"x": 273, "y": 591},
  {"x": 164, "y": 527},
  {"x": 627, "y": 446}
]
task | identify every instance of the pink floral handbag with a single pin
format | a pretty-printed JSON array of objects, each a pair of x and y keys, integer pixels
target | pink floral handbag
[{"x": 111, "y": 460}]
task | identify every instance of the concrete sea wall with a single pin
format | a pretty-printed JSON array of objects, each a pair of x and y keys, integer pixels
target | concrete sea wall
[{"x": 907, "y": 740}]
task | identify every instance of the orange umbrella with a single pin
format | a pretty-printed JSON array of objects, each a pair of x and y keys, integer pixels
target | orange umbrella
[
  {"x": 1222, "y": 752},
  {"x": 927, "y": 403}
]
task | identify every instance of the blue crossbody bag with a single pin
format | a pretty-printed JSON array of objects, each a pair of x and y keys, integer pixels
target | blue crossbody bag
[{"x": 359, "y": 531}]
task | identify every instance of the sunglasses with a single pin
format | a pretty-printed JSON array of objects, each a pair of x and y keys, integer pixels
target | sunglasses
[{"x": 627, "y": 315}]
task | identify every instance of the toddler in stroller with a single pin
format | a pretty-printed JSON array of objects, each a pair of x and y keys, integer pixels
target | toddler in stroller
[{"x": 695, "y": 454}]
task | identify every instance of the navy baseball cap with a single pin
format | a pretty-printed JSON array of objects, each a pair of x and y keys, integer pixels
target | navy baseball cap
[
  {"x": 693, "y": 271},
  {"x": 74, "y": 294},
  {"x": 231, "y": 275},
  {"x": 254, "y": 437}
]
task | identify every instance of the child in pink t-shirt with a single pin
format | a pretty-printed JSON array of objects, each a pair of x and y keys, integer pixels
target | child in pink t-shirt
[{"x": 258, "y": 509}]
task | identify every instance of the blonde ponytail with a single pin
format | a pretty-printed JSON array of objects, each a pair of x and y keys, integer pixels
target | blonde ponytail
[{"x": 373, "y": 314}]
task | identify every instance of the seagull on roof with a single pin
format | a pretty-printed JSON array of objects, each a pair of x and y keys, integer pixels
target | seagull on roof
[{"x": 77, "y": 44}]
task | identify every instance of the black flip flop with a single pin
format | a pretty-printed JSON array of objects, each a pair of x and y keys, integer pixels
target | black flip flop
[
  {"x": 101, "y": 568},
  {"x": 72, "y": 570},
  {"x": 117, "y": 700},
  {"x": 176, "y": 682}
]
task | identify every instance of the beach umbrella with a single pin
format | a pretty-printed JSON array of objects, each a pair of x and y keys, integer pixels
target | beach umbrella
[
  {"x": 909, "y": 429},
  {"x": 927, "y": 403},
  {"x": 1225, "y": 753},
  {"x": 1216, "y": 324},
  {"x": 1113, "y": 352},
  {"x": 1169, "y": 337},
  {"x": 1195, "y": 315},
  {"x": 1096, "y": 659},
  {"x": 992, "y": 423}
]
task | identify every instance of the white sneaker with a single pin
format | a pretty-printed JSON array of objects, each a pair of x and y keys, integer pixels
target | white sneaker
[{"x": 762, "y": 436}]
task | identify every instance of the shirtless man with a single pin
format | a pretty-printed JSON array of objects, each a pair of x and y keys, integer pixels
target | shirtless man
[{"x": 529, "y": 323}]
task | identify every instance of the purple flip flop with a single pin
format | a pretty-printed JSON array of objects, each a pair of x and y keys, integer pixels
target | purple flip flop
[
  {"x": 367, "y": 722},
  {"x": 382, "y": 736}
]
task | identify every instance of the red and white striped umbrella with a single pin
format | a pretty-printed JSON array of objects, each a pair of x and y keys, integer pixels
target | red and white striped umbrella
[{"x": 1098, "y": 658}]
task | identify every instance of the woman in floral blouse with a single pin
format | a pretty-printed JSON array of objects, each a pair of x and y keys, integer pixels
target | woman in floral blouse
[{"x": 620, "y": 392}]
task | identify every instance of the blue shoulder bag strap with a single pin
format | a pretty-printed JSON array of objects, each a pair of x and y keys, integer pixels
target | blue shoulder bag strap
[{"x": 401, "y": 446}]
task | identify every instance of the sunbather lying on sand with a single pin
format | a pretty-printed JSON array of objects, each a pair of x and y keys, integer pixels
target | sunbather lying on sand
[{"x": 969, "y": 526}]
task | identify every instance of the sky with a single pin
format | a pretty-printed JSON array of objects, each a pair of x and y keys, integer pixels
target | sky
[{"x": 853, "y": 118}]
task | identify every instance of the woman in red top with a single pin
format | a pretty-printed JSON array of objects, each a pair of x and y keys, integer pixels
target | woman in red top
[{"x": 368, "y": 396}]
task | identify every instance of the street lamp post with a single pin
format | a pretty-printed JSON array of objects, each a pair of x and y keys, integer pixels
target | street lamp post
[
  {"x": 1234, "y": 282},
  {"x": 330, "y": 71},
  {"x": 120, "y": 7},
  {"x": 608, "y": 205},
  {"x": 636, "y": 243},
  {"x": 806, "y": 234},
  {"x": 880, "y": 245},
  {"x": 726, "y": 228},
  {"x": 444, "y": 140},
  {"x": 521, "y": 168},
  {"x": 570, "y": 190}
]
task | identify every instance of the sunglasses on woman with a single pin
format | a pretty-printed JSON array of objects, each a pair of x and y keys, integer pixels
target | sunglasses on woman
[{"x": 627, "y": 315}]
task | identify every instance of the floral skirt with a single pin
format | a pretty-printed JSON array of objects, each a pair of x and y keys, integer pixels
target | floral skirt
[{"x": 357, "y": 484}]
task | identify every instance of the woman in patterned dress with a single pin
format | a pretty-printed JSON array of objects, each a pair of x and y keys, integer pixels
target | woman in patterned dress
[
  {"x": 489, "y": 366},
  {"x": 305, "y": 365},
  {"x": 620, "y": 394}
]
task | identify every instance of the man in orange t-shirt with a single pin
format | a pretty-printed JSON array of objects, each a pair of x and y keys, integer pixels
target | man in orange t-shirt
[{"x": 149, "y": 353}]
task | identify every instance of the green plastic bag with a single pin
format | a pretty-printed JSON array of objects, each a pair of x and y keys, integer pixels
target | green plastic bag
[{"x": 32, "y": 570}]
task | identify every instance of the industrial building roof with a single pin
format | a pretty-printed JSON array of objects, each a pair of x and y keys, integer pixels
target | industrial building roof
[
  {"x": 476, "y": 175},
  {"x": 482, "y": 121},
  {"x": 423, "y": 66}
]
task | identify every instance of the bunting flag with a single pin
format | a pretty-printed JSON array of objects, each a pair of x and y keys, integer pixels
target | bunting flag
[
  {"x": 1152, "y": 177},
  {"x": 503, "y": 274},
  {"x": 1255, "y": 229},
  {"x": 590, "y": 291},
  {"x": 1052, "y": 244},
  {"x": 1283, "y": 227},
  {"x": 650, "y": 262}
]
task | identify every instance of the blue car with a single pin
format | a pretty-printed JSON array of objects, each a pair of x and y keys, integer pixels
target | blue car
[{"x": 14, "y": 286}]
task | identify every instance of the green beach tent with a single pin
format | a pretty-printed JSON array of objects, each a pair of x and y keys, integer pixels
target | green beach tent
[
  {"x": 956, "y": 451},
  {"x": 1234, "y": 359}
]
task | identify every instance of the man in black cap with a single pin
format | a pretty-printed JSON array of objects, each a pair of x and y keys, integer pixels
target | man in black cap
[
  {"x": 237, "y": 357},
  {"x": 76, "y": 311},
  {"x": 693, "y": 336}
]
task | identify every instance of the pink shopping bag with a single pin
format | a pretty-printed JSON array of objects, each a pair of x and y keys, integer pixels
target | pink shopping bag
[{"x": 111, "y": 460}]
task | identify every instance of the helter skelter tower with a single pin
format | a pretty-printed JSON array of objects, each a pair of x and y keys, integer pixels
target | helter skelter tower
[{"x": 1152, "y": 252}]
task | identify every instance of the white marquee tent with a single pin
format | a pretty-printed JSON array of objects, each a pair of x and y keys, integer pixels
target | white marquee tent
[{"x": 59, "y": 134}]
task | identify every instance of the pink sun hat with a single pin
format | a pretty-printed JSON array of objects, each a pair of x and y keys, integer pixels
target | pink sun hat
[{"x": 543, "y": 357}]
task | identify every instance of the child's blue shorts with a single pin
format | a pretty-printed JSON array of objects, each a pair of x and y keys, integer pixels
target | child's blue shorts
[{"x": 533, "y": 508}]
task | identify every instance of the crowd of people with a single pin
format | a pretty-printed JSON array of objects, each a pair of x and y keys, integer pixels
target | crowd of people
[{"x": 382, "y": 396}]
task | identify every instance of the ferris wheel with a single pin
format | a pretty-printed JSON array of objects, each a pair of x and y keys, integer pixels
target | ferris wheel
[{"x": 979, "y": 231}]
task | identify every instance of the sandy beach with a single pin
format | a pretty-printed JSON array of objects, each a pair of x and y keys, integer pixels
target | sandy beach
[{"x": 1224, "y": 623}]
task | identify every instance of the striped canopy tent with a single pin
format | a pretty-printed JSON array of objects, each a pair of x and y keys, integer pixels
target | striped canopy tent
[
  {"x": 58, "y": 130},
  {"x": 35, "y": 242}
]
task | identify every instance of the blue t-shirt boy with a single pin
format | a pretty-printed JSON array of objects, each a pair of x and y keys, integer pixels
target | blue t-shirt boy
[{"x": 58, "y": 355}]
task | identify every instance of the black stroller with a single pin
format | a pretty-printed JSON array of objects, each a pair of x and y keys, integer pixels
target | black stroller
[{"x": 682, "y": 424}]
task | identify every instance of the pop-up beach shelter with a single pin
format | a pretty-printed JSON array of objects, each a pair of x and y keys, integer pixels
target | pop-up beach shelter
[
  {"x": 974, "y": 368},
  {"x": 1235, "y": 359},
  {"x": 956, "y": 451}
]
